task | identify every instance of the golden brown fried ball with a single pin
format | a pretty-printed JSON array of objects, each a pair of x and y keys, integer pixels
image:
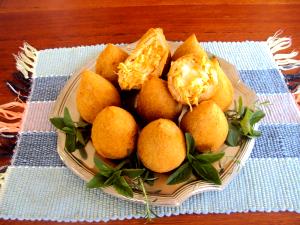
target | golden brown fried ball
[
  {"x": 161, "y": 146},
  {"x": 114, "y": 133},
  {"x": 223, "y": 95},
  {"x": 207, "y": 124},
  {"x": 155, "y": 101},
  {"x": 189, "y": 46},
  {"x": 95, "y": 93},
  {"x": 108, "y": 61}
]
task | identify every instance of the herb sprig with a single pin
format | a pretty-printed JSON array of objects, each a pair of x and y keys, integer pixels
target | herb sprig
[
  {"x": 77, "y": 133},
  {"x": 125, "y": 177},
  {"x": 198, "y": 164},
  {"x": 241, "y": 123}
]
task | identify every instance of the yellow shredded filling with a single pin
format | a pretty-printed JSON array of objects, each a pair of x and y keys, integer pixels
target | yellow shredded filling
[
  {"x": 193, "y": 80},
  {"x": 142, "y": 62}
]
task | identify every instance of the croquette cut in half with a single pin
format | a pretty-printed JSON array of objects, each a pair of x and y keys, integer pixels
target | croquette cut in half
[
  {"x": 114, "y": 133},
  {"x": 207, "y": 124},
  {"x": 94, "y": 94},
  {"x": 148, "y": 59},
  {"x": 192, "y": 79},
  {"x": 161, "y": 146},
  {"x": 108, "y": 62},
  {"x": 155, "y": 101}
]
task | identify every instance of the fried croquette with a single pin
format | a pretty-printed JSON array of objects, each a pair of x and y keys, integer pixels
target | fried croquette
[
  {"x": 147, "y": 59},
  {"x": 223, "y": 95},
  {"x": 155, "y": 101},
  {"x": 108, "y": 61},
  {"x": 114, "y": 133},
  {"x": 192, "y": 79},
  {"x": 161, "y": 146},
  {"x": 207, "y": 124},
  {"x": 95, "y": 93},
  {"x": 189, "y": 46}
]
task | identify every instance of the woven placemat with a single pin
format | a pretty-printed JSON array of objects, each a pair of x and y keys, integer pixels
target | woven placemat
[{"x": 39, "y": 187}]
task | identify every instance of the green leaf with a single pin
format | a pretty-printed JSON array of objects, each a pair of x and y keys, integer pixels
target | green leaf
[
  {"x": 67, "y": 118},
  {"x": 70, "y": 144},
  {"x": 190, "y": 143},
  {"x": 245, "y": 122},
  {"x": 82, "y": 124},
  {"x": 132, "y": 173},
  {"x": 233, "y": 136},
  {"x": 241, "y": 123},
  {"x": 241, "y": 108},
  {"x": 206, "y": 172},
  {"x": 58, "y": 122},
  {"x": 121, "y": 164},
  {"x": 97, "y": 181},
  {"x": 190, "y": 157},
  {"x": 68, "y": 130},
  {"x": 82, "y": 152},
  {"x": 254, "y": 133},
  {"x": 209, "y": 157},
  {"x": 122, "y": 187},
  {"x": 80, "y": 137},
  {"x": 104, "y": 169},
  {"x": 182, "y": 174},
  {"x": 112, "y": 178},
  {"x": 256, "y": 117}
]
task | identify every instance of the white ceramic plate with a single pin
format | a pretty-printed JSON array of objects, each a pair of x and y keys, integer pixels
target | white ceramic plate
[{"x": 169, "y": 195}]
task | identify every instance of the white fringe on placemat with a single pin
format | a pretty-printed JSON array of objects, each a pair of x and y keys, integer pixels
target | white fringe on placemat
[
  {"x": 26, "y": 59},
  {"x": 284, "y": 61},
  {"x": 11, "y": 120}
]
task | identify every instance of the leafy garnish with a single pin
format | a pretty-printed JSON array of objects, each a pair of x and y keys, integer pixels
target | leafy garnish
[
  {"x": 97, "y": 181},
  {"x": 122, "y": 187},
  {"x": 58, "y": 122},
  {"x": 104, "y": 169},
  {"x": 77, "y": 133},
  {"x": 242, "y": 121},
  {"x": 128, "y": 175},
  {"x": 190, "y": 143},
  {"x": 209, "y": 158},
  {"x": 70, "y": 144},
  {"x": 182, "y": 174},
  {"x": 67, "y": 118},
  {"x": 133, "y": 173},
  {"x": 206, "y": 171},
  {"x": 233, "y": 136},
  {"x": 197, "y": 164}
]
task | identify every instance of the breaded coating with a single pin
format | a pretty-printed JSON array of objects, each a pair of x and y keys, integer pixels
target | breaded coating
[
  {"x": 108, "y": 62},
  {"x": 95, "y": 93},
  {"x": 161, "y": 146},
  {"x": 207, "y": 124},
  {"x": 155, "y": 101},
  {"x": 114, "y": 133}
]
